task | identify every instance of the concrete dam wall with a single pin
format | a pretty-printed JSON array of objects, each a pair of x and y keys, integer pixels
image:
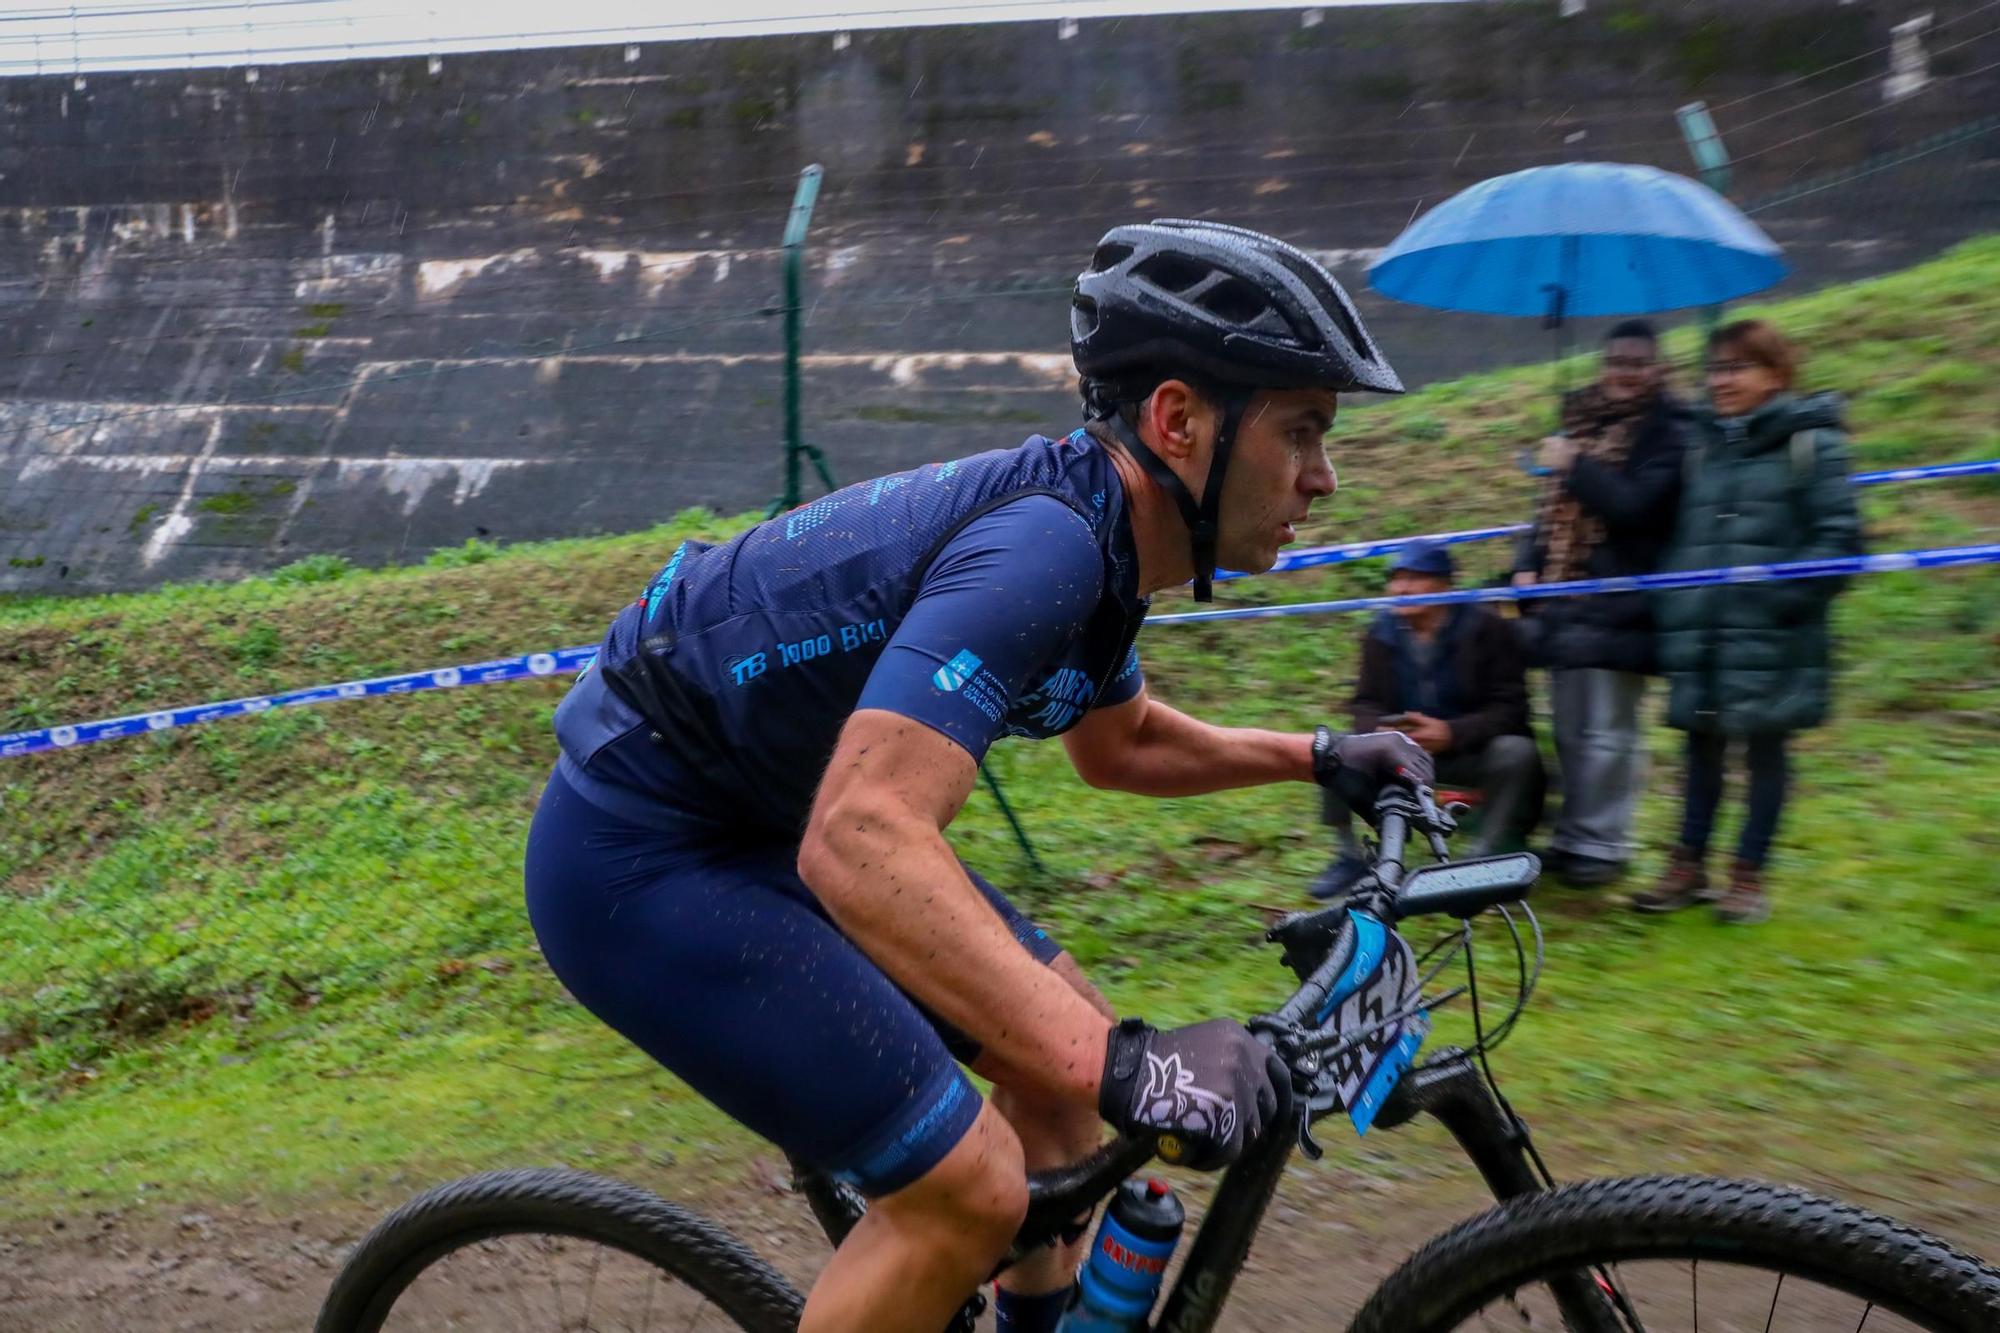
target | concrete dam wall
[{"x": 378, "y": 307}]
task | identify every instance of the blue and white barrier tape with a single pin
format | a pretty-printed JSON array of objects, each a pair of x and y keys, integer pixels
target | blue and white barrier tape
[
  {"x": 1941, "y": 557},
  {"x": 525, "y": 667},
  {"x": 1933, "y": 472},
  {"x": 1313, "y": 557},
  {"x": 531, "y": 665}
]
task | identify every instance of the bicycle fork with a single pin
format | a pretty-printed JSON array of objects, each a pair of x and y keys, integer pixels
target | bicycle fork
[{"x": 1496, "y": 1140}]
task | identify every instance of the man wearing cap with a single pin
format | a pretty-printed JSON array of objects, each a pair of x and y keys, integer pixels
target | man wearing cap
[{"x": 1450, "y": 678}]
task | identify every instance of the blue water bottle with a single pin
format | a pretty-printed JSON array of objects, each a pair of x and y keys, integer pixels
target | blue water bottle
[{"x": 1128, "y": 1260}]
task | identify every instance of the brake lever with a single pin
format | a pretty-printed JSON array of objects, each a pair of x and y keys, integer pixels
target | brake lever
[
  {"x": 1308, "y": 1145},
  {"x": 1437, "y": 824}
]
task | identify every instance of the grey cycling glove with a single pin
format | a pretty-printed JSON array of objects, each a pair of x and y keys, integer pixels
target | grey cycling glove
[
  {"x": 1206, "y": 1090},
  {"x": 1358, "y": 767}
]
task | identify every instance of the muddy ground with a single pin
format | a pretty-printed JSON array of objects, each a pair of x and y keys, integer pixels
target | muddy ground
[{"x": 1331, "y": 1235}]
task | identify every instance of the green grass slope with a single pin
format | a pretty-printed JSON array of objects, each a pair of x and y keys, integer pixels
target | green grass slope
[{"x": 284, "y": 958}]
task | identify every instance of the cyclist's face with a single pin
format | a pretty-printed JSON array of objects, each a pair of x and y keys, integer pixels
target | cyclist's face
[{"x": 1279, "y": 467}]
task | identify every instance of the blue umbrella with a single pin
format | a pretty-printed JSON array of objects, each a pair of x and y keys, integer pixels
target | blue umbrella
[{"x": 1585, "y": 238}]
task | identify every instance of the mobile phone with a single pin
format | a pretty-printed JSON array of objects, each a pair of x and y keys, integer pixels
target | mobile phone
[{"x": 1394, "y": 722}]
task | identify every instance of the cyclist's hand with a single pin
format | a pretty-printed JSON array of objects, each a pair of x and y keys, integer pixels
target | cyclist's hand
[
  {"x": 1358, "y": 767},
  {"x": 1206, "y": 1090}
]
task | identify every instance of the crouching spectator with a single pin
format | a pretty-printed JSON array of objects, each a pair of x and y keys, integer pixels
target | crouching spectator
[
  {"x": 1450, "y": 678},
  {"x": 1750, "y": 662},
  {"x": 1606, "y": 512}
]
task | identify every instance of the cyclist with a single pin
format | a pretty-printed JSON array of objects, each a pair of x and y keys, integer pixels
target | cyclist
[{"x": 740, "y": 861}]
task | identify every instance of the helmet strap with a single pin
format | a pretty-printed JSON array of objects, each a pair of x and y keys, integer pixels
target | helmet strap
[{"x": 1203, "y": 518}]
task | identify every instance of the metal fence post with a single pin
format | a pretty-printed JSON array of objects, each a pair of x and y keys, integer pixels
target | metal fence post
[
  {"x": 795, "y": 244},
  {"x": 1020, "y": 834},
  {"x": 1705, "y": 144}
]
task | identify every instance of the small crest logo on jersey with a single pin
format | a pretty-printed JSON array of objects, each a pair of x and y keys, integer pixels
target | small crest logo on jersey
[{"x": 957, "y": 673}]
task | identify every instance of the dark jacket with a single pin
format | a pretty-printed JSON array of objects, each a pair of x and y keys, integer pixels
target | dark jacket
[
  {"x": 1474, "y": 681},
  {"x": 1748, "y": 658},
  {"x": 1637, "y": 502}
]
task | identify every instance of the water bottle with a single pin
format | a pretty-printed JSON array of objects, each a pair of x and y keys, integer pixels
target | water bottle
[{"x": 1128, "y": 1260}]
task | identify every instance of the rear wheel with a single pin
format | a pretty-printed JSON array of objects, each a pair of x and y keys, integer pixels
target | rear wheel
[
  {"x": 1688, "y": 1253},
  {"x": 551, "y": 1249}
]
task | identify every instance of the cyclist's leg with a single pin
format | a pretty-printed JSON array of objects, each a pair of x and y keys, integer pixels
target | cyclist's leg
[
  {"x": 1052, "y": 1132},
  {"x": 917, "y": 1254},
  {"x": 717, "y": 962}
]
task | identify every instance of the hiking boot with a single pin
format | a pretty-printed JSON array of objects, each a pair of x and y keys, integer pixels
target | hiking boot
[
  {"x": 1342, "y": 873},
  {"x": 1682, "y": 884},
  {"x": 1588, "y": 872},
  {"x": 1553, "y": 860},
  {"x": 1744, "y": 903}
]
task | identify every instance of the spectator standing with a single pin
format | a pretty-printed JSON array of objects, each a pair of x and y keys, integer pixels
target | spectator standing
[
  {"x": 1606, "y": 511},
  {"x": 1750, "y": 662}
]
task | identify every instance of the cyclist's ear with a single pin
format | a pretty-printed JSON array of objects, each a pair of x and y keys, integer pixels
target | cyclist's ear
[{"x": 1176, "y": 419}]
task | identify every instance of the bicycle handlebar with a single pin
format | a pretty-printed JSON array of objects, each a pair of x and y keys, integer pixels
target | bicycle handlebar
[
  {"x": 1319, "y": 945},
  {"x": 1326, "y": 937}
]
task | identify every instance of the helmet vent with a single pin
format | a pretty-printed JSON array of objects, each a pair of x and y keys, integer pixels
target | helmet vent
[
  {"x": 1082, "y": 317},
  {"x": 1234, "y": 300},
  {"x": 1171, "y": 272},
  {"x": 1330, "y": 300},
  {"x": 1110, "y": 256}
]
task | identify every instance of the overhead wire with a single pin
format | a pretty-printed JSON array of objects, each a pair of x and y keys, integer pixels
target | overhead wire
[
  {"x": 922, "y": 294},
  {"x": 1809, "y": 75},
  {"x": 86, "y": 11},
  {"x": 1863, "y": 114},
  {"x": 1740, "y": 126}
]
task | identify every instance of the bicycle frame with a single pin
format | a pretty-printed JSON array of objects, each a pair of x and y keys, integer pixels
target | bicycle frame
[{"x": 1449, "y": 1088}]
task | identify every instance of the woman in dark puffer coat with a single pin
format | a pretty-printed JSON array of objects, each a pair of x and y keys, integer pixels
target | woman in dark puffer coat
[{"x": 1767, "y": 482}]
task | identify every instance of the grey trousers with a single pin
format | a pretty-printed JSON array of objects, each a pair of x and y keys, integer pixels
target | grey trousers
[
  {"x": 1508, "y": 774},
  {"x": 1601, "y": 750}
]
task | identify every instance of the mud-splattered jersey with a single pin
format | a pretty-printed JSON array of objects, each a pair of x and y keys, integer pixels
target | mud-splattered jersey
[{"x": 993, "y": 595}]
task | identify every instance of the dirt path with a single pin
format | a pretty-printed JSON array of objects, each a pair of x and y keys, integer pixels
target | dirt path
[{"x": 1331, "y": 1235}]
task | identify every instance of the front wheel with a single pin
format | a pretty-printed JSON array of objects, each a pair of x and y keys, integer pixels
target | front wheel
[
  {"x": 1688, "y": 1253},
  {"x": 547, "y": 1249}
]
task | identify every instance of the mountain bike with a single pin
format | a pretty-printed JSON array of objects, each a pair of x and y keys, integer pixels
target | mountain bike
[{"x": 1647, "y": 1253}]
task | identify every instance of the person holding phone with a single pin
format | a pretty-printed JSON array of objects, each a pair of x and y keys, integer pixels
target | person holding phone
[
  {"x": 1450, "y": 678},
  {"x": 1606, "y": 511}
]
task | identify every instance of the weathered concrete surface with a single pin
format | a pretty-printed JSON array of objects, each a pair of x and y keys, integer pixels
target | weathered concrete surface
[{"x": 370, "y": 309}]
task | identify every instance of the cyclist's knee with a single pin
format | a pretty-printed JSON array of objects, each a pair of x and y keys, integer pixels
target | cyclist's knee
[{"x": 979, "y": 1192}]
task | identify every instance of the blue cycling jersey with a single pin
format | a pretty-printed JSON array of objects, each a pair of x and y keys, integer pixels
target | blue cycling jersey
[{"x": 994, "y": 595}]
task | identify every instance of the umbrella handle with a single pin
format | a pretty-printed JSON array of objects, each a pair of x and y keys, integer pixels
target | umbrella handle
[{"x": 1558, "y": 305}]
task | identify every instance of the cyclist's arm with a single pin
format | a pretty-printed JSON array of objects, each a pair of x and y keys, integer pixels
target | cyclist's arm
[
  {"x": 875, "y": 855},
  {"x": 1146, "y": 747},
  {"x": 1002, "y": 600}
]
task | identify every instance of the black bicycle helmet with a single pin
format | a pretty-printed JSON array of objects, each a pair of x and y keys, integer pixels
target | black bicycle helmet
[{"x": 1226, "y": 307}]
